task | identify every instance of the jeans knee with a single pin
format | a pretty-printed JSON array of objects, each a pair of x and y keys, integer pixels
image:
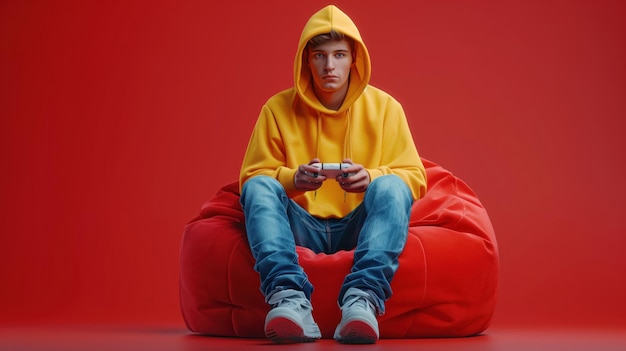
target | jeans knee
[
  {"x": 260, "y": 182},
  {"x": 390, "y": 188},
  {"x": 261, "y": 185}
]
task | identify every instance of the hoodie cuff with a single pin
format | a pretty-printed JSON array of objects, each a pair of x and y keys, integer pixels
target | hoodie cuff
[
  {"x": 285, "y": 177},
  {"x": 374, "y": 173}
]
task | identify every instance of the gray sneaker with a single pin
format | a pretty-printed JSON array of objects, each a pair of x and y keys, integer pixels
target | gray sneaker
[
  {"x": 358, "y": 319},
  {"x": 290, "y": 319}
]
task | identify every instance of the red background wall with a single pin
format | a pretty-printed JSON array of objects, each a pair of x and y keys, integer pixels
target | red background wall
[{"x": 120, "y": 118}]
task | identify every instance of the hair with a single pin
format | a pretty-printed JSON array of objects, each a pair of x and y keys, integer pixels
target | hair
[{"x": 330, "y": 36}]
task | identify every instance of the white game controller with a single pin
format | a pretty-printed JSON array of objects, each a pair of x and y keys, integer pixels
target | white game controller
[{"x": 332, "y": 170}]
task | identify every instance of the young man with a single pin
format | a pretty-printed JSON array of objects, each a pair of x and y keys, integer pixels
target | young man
[{"x": 332, "y": 115}]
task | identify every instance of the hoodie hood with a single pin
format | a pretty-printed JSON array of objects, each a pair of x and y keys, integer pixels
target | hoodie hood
[{"x": 327, "y": 19}]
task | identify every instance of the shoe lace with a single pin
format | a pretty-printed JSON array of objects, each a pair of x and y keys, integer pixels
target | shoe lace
[
  {"x": 290, "y": 298},
  {"x": 358, "y": 302}
]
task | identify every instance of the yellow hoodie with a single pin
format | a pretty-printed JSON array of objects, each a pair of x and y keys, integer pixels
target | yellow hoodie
[{"x": 370, "y": 128}]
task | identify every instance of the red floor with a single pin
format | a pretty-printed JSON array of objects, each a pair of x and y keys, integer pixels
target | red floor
[{"x": 117, "y": 338}]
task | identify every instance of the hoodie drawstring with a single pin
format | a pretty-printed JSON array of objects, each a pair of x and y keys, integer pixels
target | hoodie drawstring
[
  {"x": 317, "y": 143},
  {"x": 347, "y": 143}
]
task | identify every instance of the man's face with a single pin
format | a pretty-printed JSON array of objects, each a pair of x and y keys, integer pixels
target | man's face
[{"x": 330, "y": 66}]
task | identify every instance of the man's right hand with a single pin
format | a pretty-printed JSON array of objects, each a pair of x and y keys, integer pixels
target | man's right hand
[{"x": 307, "y": 177}]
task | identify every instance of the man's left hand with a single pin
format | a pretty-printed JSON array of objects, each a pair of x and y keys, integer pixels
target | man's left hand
[{"x": 358, "y": 181}]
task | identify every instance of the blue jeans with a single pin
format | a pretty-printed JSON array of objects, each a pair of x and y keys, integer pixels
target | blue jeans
[{"x": 377, "y": 229}]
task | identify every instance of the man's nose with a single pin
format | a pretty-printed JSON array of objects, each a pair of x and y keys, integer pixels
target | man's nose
[{"x": 330, "y": 64}]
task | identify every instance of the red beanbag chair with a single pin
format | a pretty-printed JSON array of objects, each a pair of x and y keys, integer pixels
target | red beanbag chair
[{"x": 445, "y": 285}]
